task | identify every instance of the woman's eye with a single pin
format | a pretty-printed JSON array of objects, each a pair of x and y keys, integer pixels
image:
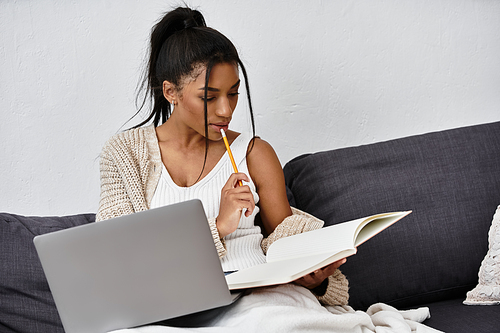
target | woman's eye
[
  {"x": 234, "y": 94},
  {"x": 208, "y": 99}
]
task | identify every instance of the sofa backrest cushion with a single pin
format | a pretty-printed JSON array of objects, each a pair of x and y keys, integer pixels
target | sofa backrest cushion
[
  {"x": 451, "y": 181},
  {"x": 26, "y": 304}
]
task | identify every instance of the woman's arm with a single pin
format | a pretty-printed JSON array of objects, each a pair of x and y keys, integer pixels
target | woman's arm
[
  {"x": 328, "y": 284},
  {"x": 114, "y": 200},
  {"x": 266, "y": 172}
]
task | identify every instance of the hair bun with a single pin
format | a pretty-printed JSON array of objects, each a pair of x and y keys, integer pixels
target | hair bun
[
  {"x": 190, "y": 23},
  {"x": 190, "y": 18}
]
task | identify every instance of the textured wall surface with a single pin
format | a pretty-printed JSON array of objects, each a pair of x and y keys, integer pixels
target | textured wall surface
[{"x": 323, "y": 75}]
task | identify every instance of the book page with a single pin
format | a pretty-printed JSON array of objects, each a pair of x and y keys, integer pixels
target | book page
[
  {"x": 292, "y": 257},
  {"x": 329, "y": 239},
  {"x": 375, "y": 225},
  {"x": 282, "y": 271}
]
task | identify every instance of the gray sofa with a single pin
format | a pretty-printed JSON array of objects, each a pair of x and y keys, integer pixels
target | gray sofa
[{"x": 450, "y": 179}]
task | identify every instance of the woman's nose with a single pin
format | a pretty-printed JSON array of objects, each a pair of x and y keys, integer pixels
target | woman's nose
[{"x": 224, "y": 108}]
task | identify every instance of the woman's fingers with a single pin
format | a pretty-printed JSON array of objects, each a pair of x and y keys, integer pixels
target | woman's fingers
[
  {"x": 315, "y": 278},
  {"x": 234, "y": 200},
  {"x": 238, "y": 198},
  {"x": 235, "y": 178}
]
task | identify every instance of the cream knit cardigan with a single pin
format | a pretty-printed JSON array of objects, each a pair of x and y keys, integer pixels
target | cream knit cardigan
[{"x": 131, "y": 165}]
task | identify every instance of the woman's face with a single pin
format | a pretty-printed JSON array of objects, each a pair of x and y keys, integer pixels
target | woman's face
[{"x": 222, "y": 98}]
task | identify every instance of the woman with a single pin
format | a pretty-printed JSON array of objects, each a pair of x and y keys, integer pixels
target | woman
[{"x": 193, "y": 81}]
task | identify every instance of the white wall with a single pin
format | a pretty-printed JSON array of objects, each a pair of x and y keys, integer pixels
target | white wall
[{"x": 324, "y": 75}]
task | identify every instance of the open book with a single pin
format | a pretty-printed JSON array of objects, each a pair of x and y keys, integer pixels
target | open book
[{"x": 292, "y": 257}]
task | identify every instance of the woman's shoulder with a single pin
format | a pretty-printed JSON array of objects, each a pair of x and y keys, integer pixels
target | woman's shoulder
[
  {"x": 246, "y": 145},
  {"x": 133, "y": 142},
  {"x": 258, "y": 148},
  {"x": 131, "y": 137},
  {"x": 262, "y": 159}
]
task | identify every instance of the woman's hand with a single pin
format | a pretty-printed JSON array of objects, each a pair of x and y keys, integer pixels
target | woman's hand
[
  {"x": 234, "y": 199},
  {"x": 317, "y": 277}
]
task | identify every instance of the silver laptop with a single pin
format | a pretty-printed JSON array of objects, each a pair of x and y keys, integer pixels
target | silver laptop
[{"x": 134, "y": 270}]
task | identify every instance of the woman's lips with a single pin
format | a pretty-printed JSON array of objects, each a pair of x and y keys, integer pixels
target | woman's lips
[{"x": 219, "y": 126}]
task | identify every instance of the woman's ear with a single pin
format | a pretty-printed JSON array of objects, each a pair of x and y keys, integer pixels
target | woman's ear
[{"x": 169, "y": 92}]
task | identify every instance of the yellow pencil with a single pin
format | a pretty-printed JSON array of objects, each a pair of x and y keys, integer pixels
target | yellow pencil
[{"x": 229, "y": 153}]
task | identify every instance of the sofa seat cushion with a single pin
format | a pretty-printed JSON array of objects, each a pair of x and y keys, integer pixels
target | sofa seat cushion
[
  {"x": 26, "y": 304},
  {"x": 451, "y": 181},
  {"x": 453, "y": 316}
]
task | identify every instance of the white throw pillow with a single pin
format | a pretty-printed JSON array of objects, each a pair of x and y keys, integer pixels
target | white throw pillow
[{"x": 487, "y": 292}]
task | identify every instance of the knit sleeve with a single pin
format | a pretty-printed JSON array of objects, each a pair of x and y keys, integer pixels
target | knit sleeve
[
  {"x": 220, "y": 245},
  {"x": 336, "y": 292},
  {"x": 114, "y": 200},
  {"x": 297, "y": 223}
]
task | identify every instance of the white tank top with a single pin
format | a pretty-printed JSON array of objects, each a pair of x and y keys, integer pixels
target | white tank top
[{"x": 243, "y": 245}]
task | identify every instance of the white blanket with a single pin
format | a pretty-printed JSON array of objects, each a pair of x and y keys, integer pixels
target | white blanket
[{"x": 290, "y": 308}]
